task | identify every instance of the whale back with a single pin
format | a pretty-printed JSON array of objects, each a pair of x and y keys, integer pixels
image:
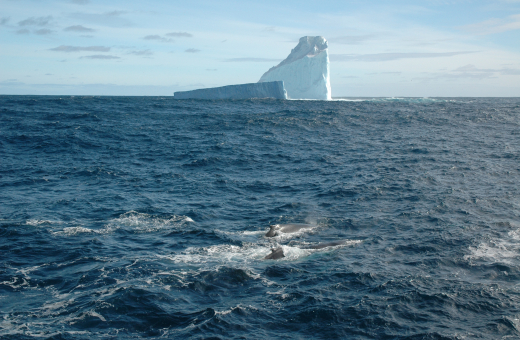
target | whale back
[
  {"x": 326, "y": 244},
  {"x": 275, "y": 254},
  {"x": 272, "y": 231},
  {"x": 293, "y": 227}
]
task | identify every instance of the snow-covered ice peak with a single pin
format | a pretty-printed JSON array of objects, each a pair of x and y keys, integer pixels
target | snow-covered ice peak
[
  {"x": 307, "y": 46},
  {"x": 305, "y": 72}
]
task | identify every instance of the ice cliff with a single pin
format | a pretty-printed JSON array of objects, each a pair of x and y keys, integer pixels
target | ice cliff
[
  {"x": 272, "y": 89},
  {"x": 305, "y": 72}
]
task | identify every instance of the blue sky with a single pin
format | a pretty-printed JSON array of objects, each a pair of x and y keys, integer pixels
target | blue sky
[{"x": 377, "y": 48}]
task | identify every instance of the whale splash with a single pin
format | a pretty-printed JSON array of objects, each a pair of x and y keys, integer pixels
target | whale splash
[{"x": 304, "y": 74}]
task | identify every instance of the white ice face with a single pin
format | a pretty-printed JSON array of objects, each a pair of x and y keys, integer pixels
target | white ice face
[
  {"x": 305, "y": 72},
  {"x": 243, "y": 91}
]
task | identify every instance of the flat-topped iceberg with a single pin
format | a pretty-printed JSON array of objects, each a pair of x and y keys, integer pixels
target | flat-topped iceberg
[
  {"x": 272, "y": 89},
  {"x": 305, "y": 72}
]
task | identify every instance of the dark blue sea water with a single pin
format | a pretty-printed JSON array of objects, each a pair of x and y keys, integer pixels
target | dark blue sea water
[{"x": 125, "y": 217}]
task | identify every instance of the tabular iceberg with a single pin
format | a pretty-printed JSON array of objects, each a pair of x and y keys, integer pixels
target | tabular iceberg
[
  {"x": 305, "y": 72},
  {"x": 272, "y": 89}
]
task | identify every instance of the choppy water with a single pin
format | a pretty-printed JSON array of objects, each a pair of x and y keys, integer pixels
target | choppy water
[{"x": 145, "y": 217}]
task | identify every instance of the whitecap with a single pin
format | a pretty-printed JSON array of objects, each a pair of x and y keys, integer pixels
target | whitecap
[
  {"x": 71, "y": 231},
  {"x": 36, "y": 222},
  {"x": 497, "y": 251},
  {"x": 97, "y": 315},
  {"x": 145, "y": 223}
]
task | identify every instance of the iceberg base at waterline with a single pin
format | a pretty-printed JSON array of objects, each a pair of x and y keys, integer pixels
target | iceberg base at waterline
[{"x": 271, "y": 89}]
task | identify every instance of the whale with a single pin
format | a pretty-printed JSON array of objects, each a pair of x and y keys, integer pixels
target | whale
[
  {"x": 276, "y": 253},
  {"x": 325, "y": 244},
  {"x": 275, "y": 229}
]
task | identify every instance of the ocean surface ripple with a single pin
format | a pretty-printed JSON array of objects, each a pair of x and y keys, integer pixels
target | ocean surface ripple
[{"x": 145, "y": 217}]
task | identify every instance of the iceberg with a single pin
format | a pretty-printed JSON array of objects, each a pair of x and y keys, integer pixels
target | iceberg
[
  {"x": 305, "y": 72},
  {"x": 271, "y": 89}
]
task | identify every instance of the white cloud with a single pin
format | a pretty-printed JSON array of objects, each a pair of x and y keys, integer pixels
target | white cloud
[
  {"x": 78, "y": 28},
  {"x": 40, "y": 21},
  {"x": 100, "y": 56},
  {"x": 64, "y": 48},
  {"x": 470, "y": 71},
  {"x": 141, "y": 52},
  {"x": 179, "y": 34},
  {"x": 493, "y": 26},
  {"x": 351, "y": 39},
  {"x": 43, "y": 31},
  {"x": 256, "y": 60},
  {"x": 157, "y": 37},
  {"x": 110, "y": 19},
  {"x": 378, "y": 57}
]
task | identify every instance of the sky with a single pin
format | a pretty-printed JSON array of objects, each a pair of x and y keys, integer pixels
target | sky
[{"x": 428, "y": 48}]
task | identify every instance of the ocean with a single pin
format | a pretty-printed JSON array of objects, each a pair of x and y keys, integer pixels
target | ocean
[{"x": 145, "y": 217}]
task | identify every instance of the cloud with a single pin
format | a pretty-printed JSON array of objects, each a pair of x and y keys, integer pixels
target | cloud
[
  {"x": 192, "y": 50},
  {"x": 351, "y": 39},
  {"x": 472, "y": 72},
  {"x": 493, "y": 26},
  {"x": 11, "y": 82},
  {"x": 510, "y": 72},
  {"x": 43, "y": 31},
  {"x": 157, "y": 38},
  {"x": 179, "y": 34},
  {"x": 100, "y": 56},
  {"x": 378, "y": 57},
  {"x": 78, "y": 28},
  {"x": 64, "y": 48},
  {"x": 153, "y": 37},
  {"x": 376, "y": 73},
  {"x": 40, "y": 21},
  {"x": 4, "y": 20},
  {"x": 141, "y": 52},
  {"x": 211, "y": 69},
  {"x": 15, "y": 87},
  {"x": 255, "y": 60},
  {"x": 110, "y": 19},
  {"x": 115, "y": 13},
  {"x": 80, "y": 2}
]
